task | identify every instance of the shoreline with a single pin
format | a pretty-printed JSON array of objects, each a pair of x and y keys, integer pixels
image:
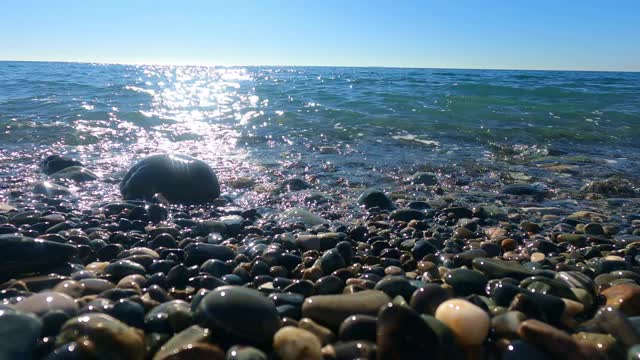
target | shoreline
[{"x": 527, "y": 261}]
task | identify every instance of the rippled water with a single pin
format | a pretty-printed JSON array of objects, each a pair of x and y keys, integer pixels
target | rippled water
[{"x": 339, "y": 125}]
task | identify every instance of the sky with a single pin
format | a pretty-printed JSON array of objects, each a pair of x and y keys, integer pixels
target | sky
[{"x": 494, "y": 34}]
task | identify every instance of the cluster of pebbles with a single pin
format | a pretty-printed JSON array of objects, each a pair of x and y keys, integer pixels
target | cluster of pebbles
[{"x": 146, "y": 278}]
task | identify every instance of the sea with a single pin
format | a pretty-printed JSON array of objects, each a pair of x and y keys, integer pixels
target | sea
[{"x": 340, "y": 128}]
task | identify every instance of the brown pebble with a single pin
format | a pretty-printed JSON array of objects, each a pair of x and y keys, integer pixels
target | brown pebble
[
  {"x": 556, "y": 342},
  {"x": 324, "y": 334},
  {"x": 293, "y": 343},
  {"x": 508, "y": 244},
  {"x": 625, "y": 297}
]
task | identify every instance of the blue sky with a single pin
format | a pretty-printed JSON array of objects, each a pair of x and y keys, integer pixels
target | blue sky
[{"x": 502, "y": 34}]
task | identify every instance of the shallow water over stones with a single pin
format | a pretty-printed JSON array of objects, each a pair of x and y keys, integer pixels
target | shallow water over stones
[{"x": 410, "y": 273}]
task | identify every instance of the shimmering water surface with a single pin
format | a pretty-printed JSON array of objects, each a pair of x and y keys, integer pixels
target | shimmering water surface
[{"x": 340, "y": 128}]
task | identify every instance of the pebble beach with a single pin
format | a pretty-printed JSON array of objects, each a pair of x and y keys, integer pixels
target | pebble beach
[{"x": 141, "y": 238}]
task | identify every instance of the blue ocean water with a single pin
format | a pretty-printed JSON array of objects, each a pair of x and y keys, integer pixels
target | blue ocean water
[{"x": 363, "y": 125}]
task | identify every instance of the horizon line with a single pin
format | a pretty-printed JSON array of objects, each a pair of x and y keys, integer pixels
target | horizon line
[{"x": 144, "y": 63}]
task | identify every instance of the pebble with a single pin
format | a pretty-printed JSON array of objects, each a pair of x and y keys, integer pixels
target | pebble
[
  {"x": 19, "y": 333},
  {"x": 556, "y": 342},
  {"x": 241, "y": 352},
  {"x": 292, "y": 343},
  {"x": 468, "y": 322},
  {"x": 625, "y": 297},
  {"x": 110, "y": 338},
  {"x": 403, "y": 334},
  {"x": 75, "y": 173},
  {"x": 423, "y": 178},
  {"x": 20, "y": 254},
  {"x": 332, "y": 310},
  {"x": 55, "y": 163},
  {"x": 375, "y": 198},
  {"x": 190, "y": 343},
  {"x": 44, "y": 302},
  {"x": 466, "y": 282},
  {"x": 179, "y": 178},
  {"x": 239, "y": 314}
]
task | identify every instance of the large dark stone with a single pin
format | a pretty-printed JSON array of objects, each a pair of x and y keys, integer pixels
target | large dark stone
[
  {"x": 179, "y": 178},
  {"x": 54, "y": 163},
  {"x": 239, "y": 315},
  {"x": 403, "y": 334},
  {"x": 21, "y": 255},
  {"x": 375, "y": 198}
]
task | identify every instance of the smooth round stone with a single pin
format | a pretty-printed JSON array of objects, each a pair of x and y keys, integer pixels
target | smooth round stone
[
  {"x": 121, "y": 268},
  {"x": 55, "y": 163},
  {"x": 73, "y": 288},
  {"x": 426, "y": 300},
  {"x": 214, "y": 267},
  {"x": 52, "y": 322},
  {"x": 465, "y": 257},
  {"x": 75, "y": 173},
  {"x": 575, "y": 279},
  {"x": 112, "y": 339},
  {"x": 328, "y": 285},
  {"x": 19, "y": 333},
  {"x": 524, "y": 189},
  {"x": 520, "y": 350},
  {"x": 49, "y": 188},
  {"x": 44, "y": 302},
  {"x": 625, "y": 297},
  {"x": 73, "y": 351},
  {"x": 191, "y": 343},
  {"x": 448, "y": 344},
  {"x": 324, "y": 334},
  {"x": 358, "y": 327},
  {"x": 287, "y": 298},
  {"x": 350, "y": 350},
  {"x": 331, "y": 261},
  {"x": 396, "y": 285},
  {"x": 241, "y": 352},
  {"x": 497, "y": 269},
  {"x": 506, "y": 325},
  {"x": 332, "y": 310},
  {"x": 375, "y": 198},
  {"x": 547, "y": 286},
  {"x": 241, "y": 314},
  {"x": 537, "y": 257},
  {"x": 132, "y": 280},
  {"x": 303, "y": 287},
  {"x": 468, "y": 322},
  {"x": 466, "y": 282},
  {"x": 626, "y": 239},
  {"x": 423, "y": 178},
  {"x": 198, "y": 253},
  {"x": 422, "y": 248},
  {"x": 304, "y": 216},
  {"x": 38, "y": 283},
  {"x": 612, "y": 321},
  {"x": 604, "y": 342},
  {"x": 129, "y": 312},
  {"x": 403, "y": 334},
  {"x": 169, "y": 317},
  {"x": 20, "y": 254},
  {"x": 634, "y": 352},
  {"x": 407, "y": 215},
  {"x": 96, "y": 286},
  {"x": 556, "y": 342},
  {"x": 179, "y": 178},
  {"x": 540, "y": 306},
  {"x": 292, "y": 343}
]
